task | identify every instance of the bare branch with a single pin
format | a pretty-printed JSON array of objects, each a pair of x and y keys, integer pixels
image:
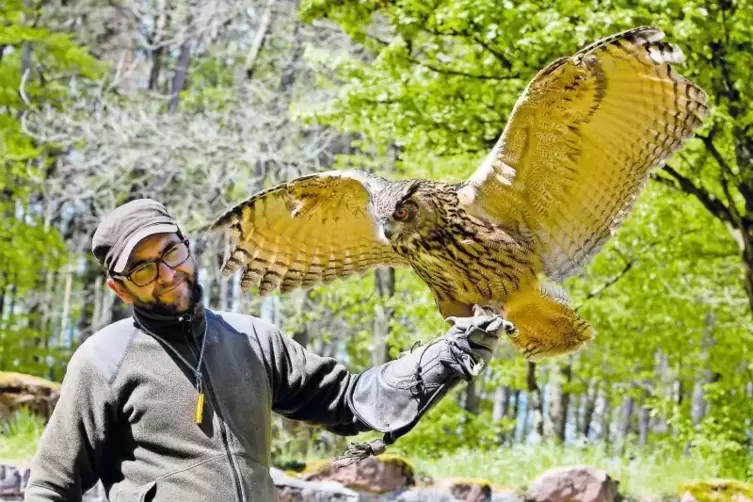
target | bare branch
[
  {"x": 451, "y": 71},
  {"x": 684, "y": 184},
  {"x": 259, "y": 40},
  {"x": 609, "y": 283}
]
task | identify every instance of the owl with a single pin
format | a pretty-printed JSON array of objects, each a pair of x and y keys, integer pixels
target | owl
[{"x": 579, "y": 146}]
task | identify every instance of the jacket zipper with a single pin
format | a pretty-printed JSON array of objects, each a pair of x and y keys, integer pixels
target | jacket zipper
[
  {"x": 223, "y": 430},
  {"x": 210, "y": 393}
]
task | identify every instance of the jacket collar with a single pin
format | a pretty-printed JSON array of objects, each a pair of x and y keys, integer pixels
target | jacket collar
[{"x": 173, "y": 327}]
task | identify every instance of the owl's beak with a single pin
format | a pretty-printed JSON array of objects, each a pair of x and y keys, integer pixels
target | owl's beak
[{"x": 385, "y": 232}]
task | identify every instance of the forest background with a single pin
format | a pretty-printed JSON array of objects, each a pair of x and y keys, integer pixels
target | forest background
[{"x": 199, "y": 103}]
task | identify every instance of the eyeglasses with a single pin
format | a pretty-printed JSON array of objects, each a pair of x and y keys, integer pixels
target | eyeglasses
[{"x": 146, "y": 273}]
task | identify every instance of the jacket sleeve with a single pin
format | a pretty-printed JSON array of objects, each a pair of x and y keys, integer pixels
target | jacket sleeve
[
  {"x": 310, "y": 387},
  {"x": 66, "y": 460}
]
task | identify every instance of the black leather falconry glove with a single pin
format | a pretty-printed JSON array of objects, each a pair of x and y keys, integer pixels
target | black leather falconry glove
[{"x": 392, "y": 397}]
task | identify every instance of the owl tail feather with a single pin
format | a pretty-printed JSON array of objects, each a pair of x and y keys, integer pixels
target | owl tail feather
[{"x": 546, "y": 326}]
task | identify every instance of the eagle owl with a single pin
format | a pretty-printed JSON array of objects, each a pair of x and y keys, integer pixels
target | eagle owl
[{"x": 579, "y": 146}]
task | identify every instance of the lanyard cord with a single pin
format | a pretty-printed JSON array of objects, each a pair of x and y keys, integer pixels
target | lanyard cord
[{"x": 196, "y": 370}]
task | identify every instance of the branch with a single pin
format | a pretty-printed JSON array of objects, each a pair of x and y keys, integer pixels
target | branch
[
  {"x": 709, "y": 201},
  {"x": 21, "y": 90},
  {"x": 500, "y": 57},
  {"x": 450, "y": 71},
  {"x": 611, "y": 282},
  {"x": 259, "y": 40},
  {"x": 709, "y": 142},
  {"x": 629, "y": 262}
]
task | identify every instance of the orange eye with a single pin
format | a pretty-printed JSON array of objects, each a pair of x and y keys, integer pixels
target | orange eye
[{"x": 400, "y": 213}]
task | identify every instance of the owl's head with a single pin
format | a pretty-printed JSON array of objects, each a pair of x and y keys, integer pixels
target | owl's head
[{"x": 406, "y": 211}]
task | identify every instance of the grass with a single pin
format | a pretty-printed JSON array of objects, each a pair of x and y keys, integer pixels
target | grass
[
  {"x": 639, "y": 474},
  {"x": 19, "y": 435}
]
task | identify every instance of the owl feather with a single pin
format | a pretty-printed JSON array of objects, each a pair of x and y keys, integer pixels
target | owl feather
[{"x": 580, "y": 145}]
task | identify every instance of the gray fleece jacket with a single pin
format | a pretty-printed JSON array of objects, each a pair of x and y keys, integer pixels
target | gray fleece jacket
[{"x": 126, "y": 413}]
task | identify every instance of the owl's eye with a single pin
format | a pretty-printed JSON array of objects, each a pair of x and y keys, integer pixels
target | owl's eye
[{"x": 400, "y": 213}]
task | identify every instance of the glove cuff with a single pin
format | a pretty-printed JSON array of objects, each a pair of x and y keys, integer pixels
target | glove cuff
[{"x": 392, "y": 397}]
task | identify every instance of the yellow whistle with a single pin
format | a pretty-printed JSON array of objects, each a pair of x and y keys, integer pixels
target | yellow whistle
[{"x": 200, "y": 408}]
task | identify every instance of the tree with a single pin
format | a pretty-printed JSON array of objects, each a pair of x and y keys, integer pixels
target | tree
[{"x": 36, "y": 65}]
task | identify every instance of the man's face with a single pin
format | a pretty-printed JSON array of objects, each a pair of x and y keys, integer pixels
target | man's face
[{"x": 175, "y": 290}]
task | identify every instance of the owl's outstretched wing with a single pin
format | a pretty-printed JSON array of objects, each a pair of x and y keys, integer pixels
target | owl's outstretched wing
[
  {"x": 310, "y": 230},
  {"x": 582, "y": 141}
]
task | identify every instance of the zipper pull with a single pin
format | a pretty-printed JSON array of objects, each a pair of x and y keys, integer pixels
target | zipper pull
[{"x": 199, "y": 414}]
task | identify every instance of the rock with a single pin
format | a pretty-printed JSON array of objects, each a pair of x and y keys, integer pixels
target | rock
[
  {"x": 417, "y": 495},
  {"x": 19, "y": 390},
  {"x": 12, "y": 480},
  {"x": 385, "y": 473},
  {"x": 290, "y": 489},
  {"x": 506, "y": 495},
  {"x": 466, "y": 489},
  {"x": 716, "y": 490},
  {"x": 687, "y": 497},
  {"x": 573, "y": 484}
]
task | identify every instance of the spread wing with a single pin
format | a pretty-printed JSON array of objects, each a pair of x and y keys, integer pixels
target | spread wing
[
  {"x": 582, "y": 141},
  {"x": 313, "y": 229}
]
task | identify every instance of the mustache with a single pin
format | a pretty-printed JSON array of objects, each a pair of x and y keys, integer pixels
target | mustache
[{"x": 178, "y": 278}]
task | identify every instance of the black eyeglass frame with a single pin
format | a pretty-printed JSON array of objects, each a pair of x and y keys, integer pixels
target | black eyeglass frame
[{"x": 157, "y": 261}]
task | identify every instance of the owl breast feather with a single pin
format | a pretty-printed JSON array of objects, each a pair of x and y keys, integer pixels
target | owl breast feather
[{"x": 472, "y": 265}]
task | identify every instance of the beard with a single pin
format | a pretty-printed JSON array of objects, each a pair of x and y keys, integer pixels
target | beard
[{"x": 175, "y": 308}]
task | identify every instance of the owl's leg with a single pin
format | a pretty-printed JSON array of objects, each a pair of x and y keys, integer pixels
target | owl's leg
[
  {"x": 546, "y": 326},
  {"x": 451, "y": 308}
]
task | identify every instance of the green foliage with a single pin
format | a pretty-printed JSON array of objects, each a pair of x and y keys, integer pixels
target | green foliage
[
  {"x": 447, "y": 429},
  {"x": 19, "y": 435},
  {"x": 35, "y": 64}
]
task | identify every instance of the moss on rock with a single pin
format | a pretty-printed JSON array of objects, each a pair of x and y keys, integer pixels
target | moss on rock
[{"x": 717, "y": 490}]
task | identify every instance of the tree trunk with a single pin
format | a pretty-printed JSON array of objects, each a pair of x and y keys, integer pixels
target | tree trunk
[
  {"x": 179, "y": 77},
  {"x": 91, "y": 308},
  {"x": 224, "y": 282},
  {"x": 535, "y": 404},
  {"x": 601, "y": 411},
  {"x": 644, "y": 424},
  {"x": 589, "y": 407},
  {"x": 515, "y": 410},
  {"x": 576, "y": 400},
  {"x": 158, "y": 51},
  {"x": 259, "y": 40},
  {"x": 747, "y": 257},
  {"x": 500, "y": 408},
  {"x": 65, "y": 315},
  {"x": 623, "y": 425},
  {"x": 385, "y": 288},
  {"x": 560, "y": 399},
  {"x": 3, "y": 288},
  {"x": 472, "y": 402}
]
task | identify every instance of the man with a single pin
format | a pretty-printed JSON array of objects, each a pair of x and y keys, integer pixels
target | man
[{"x": 175, "y": 403}]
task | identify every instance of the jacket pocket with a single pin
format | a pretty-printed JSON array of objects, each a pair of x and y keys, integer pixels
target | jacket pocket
[{"x": 144, "y": 493}]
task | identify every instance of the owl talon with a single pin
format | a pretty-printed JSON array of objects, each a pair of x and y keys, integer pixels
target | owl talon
[
  {"x": 531, "y": 350},
  {"x": 479, "y": 310},
  {"x": 510, "y": 328}
]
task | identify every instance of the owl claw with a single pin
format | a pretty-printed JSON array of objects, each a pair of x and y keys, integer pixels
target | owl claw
[
  {"x": 509, "y": 328},
  {"x": 480, "y": 310},
  {"x": 531, "y": 350}
]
